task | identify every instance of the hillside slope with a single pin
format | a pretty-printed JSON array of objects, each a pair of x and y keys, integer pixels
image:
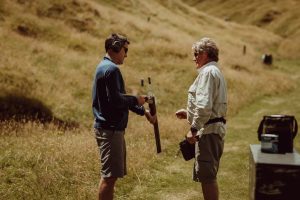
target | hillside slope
[
  {"x": 49, "y": 50},
  {"x": 280, "y": 17}
]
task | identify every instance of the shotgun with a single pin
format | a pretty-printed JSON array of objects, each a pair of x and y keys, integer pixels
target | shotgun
[{"x": 152, "y": 108}]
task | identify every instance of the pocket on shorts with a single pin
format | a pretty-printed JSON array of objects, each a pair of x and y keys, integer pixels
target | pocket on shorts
[
  {"x": 102, "y": 136},
  {"x": 207, "y": 171}
]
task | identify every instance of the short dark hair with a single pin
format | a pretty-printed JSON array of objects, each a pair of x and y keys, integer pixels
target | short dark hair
[{"x": 115, "y": 42}]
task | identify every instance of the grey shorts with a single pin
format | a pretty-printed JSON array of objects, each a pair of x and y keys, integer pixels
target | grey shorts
[
  {"x": 208, "y": 151},
  {"x": 112, "y": 149}
]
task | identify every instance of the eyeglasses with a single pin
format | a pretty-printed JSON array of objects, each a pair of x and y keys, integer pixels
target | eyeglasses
[
  {"x": 196, "y": 54},
  {"x": 125, "y": 49}
]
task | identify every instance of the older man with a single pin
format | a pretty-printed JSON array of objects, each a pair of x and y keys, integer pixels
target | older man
[{"x": 206, "y": 112}]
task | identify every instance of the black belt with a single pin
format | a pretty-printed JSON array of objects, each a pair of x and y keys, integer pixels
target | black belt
[{"x": 215, "y": 120}]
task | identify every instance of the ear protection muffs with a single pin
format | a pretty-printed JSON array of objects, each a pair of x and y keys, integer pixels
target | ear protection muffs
[
  {"x": 116, "y": 46},
  {"x": 117, "y": 43}
]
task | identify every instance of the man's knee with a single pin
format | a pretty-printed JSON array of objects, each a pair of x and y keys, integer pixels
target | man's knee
[
  {"x": 107, "y": 182},
  {"x": 106, "y": 188}
]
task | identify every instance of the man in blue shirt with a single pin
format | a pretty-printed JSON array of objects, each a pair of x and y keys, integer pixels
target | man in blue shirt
[{"x": 111, "y": 106}]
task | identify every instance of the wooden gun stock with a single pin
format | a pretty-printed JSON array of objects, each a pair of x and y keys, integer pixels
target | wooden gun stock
[{"x": 152, "y": 108}]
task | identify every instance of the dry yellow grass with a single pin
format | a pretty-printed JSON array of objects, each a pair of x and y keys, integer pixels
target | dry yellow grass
[
  {"x": 49, "y": 51},
  {"x": 63, "y": 62}
]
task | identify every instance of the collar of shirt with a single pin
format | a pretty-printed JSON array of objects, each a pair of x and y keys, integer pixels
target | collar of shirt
[
  {"x": 107, "y": 57},
  {"x": 207, "y": 64}
]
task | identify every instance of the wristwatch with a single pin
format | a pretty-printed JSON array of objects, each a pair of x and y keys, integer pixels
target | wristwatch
[{"x": 194, "y": 130}]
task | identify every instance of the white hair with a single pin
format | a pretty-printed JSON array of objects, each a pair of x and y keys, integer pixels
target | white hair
[{"x": 207, "y": 45}]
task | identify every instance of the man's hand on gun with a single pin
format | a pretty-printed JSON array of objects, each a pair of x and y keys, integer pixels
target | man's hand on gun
[
  {"x": 150, "y": 118},
  {"x": 141, "y": 99}
]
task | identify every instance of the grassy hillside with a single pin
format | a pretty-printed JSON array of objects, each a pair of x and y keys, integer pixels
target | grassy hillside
[
  {"x": 48, "y": 54},
  {"x": 49, "y": 51},
  {"x": 280, "y": 17}
]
